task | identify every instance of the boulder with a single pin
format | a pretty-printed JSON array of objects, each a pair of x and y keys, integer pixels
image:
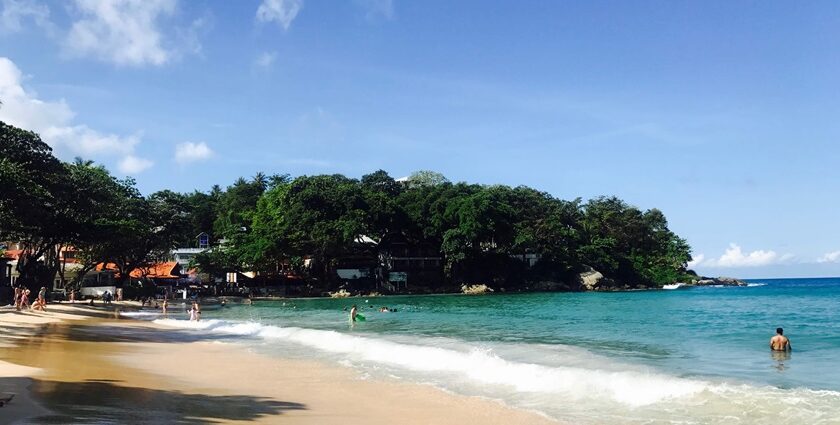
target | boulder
[
  {"x": 591, "y": 280},
  {"x": 479, "y": 289},
  {"x": 725, "y": 281}
]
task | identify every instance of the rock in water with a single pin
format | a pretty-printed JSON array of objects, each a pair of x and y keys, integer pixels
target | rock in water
[{"x": 725, "y": 281}]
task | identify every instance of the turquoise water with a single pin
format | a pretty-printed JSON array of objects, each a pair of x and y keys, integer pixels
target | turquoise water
[{"x": 697, "y": 355}]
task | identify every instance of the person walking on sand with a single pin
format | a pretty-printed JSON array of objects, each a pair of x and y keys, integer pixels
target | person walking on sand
[
  {"x": 42, "y": 298},
  {"x": 780, "y": 342},
  {"x": 18, "y": 293},
  {"x": 24, "y": 299}
]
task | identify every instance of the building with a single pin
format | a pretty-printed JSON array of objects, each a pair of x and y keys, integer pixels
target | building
[
  {"x": 166, "y": 273},
  {"x": 405, "y": 263},
  {"x": 5, "y": 271},
  {"x": 70, "y": 265},
  {"x": 12, "y": 274},
  {"x": 184, "y": 256}
]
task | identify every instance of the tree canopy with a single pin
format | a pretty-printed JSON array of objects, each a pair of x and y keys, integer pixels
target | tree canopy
[{"x": 270, "y": 223}]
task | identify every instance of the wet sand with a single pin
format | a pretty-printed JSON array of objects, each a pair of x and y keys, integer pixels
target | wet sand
[{"x": 67, "y": 367}]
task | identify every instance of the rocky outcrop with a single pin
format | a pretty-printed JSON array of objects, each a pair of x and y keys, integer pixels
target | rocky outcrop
[
  {"x": 724, "y": 281},
  {"x": 593, "y": 280},
  {"x": 342, "y": 293},
  {"x": 480, "y": 289}
]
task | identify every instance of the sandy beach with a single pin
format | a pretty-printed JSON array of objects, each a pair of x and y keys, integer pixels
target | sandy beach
[{"x": 75, "y": 364}]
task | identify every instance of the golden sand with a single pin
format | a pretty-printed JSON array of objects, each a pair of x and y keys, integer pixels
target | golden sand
[{"x": 66, "y": 366}]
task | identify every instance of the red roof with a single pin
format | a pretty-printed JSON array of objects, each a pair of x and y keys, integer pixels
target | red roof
[
  {"x": 155, "y": 271},
  {"x": 13, "y": 254},
  {"x": 159, "y": 270}
]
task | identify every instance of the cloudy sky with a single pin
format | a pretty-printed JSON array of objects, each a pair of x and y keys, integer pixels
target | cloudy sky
[{"x": 721, "y": 114}]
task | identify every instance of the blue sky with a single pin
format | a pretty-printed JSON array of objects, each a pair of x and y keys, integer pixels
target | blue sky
[{"x": 721, "y": 114}]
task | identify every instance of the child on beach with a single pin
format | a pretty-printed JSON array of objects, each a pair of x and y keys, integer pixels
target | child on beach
[
  {"x": 24, "y": 299},
  {"x": 41, "y": 302}
]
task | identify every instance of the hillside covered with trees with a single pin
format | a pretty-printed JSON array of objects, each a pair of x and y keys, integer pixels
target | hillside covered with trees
[{"x": 309, "y": 225}]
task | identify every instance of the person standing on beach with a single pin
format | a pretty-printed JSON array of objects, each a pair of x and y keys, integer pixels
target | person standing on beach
[
  {"x": 780, "y": 342},
  {"x": 353, "y": 312},
  {"x": 24, "y": 299},
  {"x": 42, "y": 298},
  {"x": 18, "y": 293}
]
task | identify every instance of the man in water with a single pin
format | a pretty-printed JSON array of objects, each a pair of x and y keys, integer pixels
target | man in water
[
  {"x": 779, "y": 342},
  {"x": 353, "y": 313}
]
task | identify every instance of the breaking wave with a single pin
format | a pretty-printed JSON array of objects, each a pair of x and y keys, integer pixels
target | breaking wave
[{"x": 632, "y": 394}]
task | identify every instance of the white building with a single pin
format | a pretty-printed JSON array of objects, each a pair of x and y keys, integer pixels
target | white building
[{"x": 183, "y": 256}]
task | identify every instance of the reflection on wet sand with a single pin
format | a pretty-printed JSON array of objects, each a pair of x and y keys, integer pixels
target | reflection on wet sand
[{"x": 81, "y": 384}]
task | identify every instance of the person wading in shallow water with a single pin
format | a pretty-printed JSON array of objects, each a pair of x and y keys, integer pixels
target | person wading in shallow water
[
  {"x": 780, "y": 342},
  {"x": 353, "y": 312}
]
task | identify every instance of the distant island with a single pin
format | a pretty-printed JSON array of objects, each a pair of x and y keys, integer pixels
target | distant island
[{"x": 311, "y": 235}]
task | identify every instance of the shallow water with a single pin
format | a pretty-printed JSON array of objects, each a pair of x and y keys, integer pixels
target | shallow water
[{"x": 696, "y": 355}]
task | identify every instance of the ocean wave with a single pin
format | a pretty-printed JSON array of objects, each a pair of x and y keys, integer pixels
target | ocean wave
[
  {"x": 140, "y": 314},
  {"x": 751, "y": 285},
  {"x": 627, "y": 392},
  {"x": 480, "y": 365}
]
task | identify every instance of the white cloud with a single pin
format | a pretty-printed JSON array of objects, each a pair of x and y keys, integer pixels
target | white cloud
[
  {"x": 281, "y": 11},
  {"x": 377, "y": 8},
  {"x": 265, "y": 59},
  {"x": 190, "y": 152},
  {"x": 696, "y": 260},
  {"x": 734, "y": 257},
  {"x": 123, "y": 32},
  {"x": 54, "y": 120},
  {"x": 15, "y": 12},
  {"x": 830, "y": 257},
  {"x": 133, "y": 165}
]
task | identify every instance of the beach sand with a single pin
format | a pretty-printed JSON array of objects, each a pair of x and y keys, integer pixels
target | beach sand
[{"x": 69, "y": 366}]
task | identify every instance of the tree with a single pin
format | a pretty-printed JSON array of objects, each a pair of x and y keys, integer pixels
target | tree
[
  {"x": 426, "y": 178},
  {"x": 36, "y": 204}
]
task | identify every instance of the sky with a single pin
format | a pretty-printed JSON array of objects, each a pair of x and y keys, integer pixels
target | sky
[{"x": 724, "y": 115}]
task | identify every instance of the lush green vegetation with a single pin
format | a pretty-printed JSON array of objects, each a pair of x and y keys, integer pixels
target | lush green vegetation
[{"x": 271, "y": 223}]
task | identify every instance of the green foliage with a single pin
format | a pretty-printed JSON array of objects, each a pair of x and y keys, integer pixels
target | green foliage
[
  {"x": 271, "y": 223},
  {"x": 425, "y": 178}
]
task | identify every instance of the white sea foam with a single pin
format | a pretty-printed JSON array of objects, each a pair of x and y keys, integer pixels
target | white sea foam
[
  {"x": 623, "y": 394},
  {"x": 751, "y": 285},
  {"x": 140, "y": 314},
  {"x": 483, "y": 366}
]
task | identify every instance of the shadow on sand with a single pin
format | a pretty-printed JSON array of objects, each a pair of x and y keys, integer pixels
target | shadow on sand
[{"x": 105, "y": 402}]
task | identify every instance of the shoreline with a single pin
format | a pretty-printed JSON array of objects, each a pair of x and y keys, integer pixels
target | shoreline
[{"x": 65, "y": 365}]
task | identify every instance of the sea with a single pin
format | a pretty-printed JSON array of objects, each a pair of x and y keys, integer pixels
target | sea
[{"x": 697, "y": 355}]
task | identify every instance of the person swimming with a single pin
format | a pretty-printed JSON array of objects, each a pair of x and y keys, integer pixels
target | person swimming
[{"x": 780, "y": 342}]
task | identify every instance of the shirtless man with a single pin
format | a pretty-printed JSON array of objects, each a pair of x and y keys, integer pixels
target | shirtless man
[
  {"x": 353, "y": 312},
  {"x": 779, "y": 342}
]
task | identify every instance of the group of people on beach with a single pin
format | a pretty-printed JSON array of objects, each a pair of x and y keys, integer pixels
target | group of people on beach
[{"x": 21, "y": 300}]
